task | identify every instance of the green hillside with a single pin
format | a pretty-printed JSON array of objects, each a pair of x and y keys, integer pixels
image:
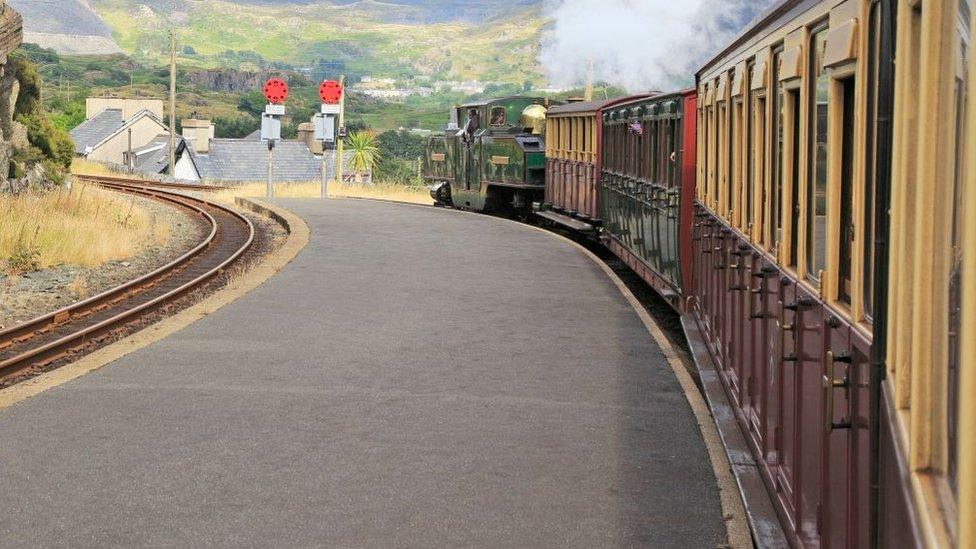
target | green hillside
[{"x": 358, "y": 39}]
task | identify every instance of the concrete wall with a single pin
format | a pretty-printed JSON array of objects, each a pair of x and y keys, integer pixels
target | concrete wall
[
  {"x": 129, "y": 107},
  {"x": 185, "y": 171},
  {"x": 143, "y": 131}
]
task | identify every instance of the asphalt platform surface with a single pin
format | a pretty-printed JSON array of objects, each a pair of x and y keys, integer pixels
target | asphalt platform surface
[{"x": 415, "y": 378}]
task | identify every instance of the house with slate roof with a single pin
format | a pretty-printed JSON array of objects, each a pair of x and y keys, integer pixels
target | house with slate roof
[
  {"x": 229, "y": 161},
  {"x": 112, "y": 126}
]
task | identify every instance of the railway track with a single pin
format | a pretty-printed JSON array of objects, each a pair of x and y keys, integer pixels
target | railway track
[
  {"x": 34, "y": 345},
  {"x": 110, "y": 179}
]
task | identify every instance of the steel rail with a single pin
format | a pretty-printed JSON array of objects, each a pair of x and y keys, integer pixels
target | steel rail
[
  {"x": 155, "y": 184},
  {"x": 44, "y": 324}
]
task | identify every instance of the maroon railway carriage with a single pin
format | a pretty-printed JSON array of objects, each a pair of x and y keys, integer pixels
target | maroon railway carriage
[
  {"x": 626, "y": 168},
  {"x": 647, "y": 189},
  {"x": 573, "y": 163}
]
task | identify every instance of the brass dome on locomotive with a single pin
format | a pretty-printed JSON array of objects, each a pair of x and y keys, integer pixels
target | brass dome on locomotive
[{"x": 534, "y": 119}]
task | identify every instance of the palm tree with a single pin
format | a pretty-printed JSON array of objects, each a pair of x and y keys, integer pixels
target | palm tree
[{"x": 365, "y": 152}]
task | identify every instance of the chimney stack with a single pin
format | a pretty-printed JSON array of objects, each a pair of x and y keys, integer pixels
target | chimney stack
[
  {"x": 306, "y": 133},
  {"x": 199, "y": 133}
]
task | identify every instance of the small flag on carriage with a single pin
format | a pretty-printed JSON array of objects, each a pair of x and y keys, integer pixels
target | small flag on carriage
[{"x": 637, "y": 128}]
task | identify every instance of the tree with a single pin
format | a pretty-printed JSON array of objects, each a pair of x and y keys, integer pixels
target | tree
[{"x": 366, "y": 154}]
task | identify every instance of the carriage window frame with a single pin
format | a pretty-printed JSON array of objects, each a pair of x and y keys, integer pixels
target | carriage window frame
[
  {"x": 735, "y": 161},
  {"x": 773, "y": 179},
  {"x": 845, "y": 237},
  {"x": 959, "y": 260},
  {"x": 722, "y": 136},
  {"x": 758, "y": 155},
  {"x": 816, "y": 262},
  {"x": 747, "y": 149},
  {"x": 791, "y": 197}
]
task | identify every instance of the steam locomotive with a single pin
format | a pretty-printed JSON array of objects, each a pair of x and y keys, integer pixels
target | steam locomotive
[{"x": 496, "y": 162}]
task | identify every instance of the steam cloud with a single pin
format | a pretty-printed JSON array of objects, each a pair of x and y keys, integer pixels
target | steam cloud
[{"x": 639, "y": 44}]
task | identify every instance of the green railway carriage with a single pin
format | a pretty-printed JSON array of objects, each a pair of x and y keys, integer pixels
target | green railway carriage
[{"x": 491, "y": 156}]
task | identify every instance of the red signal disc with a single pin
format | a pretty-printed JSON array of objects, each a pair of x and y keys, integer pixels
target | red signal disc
[
  {"x": 276, "y": 91},
  {"x": 331, "y": 92}
]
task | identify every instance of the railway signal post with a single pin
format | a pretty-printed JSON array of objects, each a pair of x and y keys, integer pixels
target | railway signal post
[
  {"x": 275, "y": 91},
  {"x": 331, "y": 93}
]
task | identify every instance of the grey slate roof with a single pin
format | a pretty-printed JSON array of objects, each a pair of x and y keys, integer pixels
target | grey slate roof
[
  {"x": 96, "y": 129},
  {"x": 154, "y": 156},
  {"x": 241, "y": 160}
]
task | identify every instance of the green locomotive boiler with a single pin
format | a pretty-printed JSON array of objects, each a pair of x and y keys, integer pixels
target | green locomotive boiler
[{"x": 491, "y": 156}]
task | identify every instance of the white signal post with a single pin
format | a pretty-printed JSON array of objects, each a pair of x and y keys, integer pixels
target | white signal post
[
  {"x": 332, "y": 94},
  {"x": 275, "y": 91},
  {"x": 342, "y": 129}
]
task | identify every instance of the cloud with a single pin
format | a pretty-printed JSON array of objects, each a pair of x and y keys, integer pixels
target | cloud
[{"x": 639, "y": 44}]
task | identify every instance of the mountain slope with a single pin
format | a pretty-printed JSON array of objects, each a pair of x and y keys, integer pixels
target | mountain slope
[
  {"x": 68, "y": 26},
  {"x": 427, "y": 39}
]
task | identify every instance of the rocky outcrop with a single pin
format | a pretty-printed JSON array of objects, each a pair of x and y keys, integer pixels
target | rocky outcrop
[
  {"x": 11, "y": 33},
  {"x": 226, "y": 80},
  {"x": 235, "y": 81}
]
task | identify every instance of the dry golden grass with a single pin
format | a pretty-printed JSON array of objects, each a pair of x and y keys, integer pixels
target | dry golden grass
[
  {"x": 80, "y": 166},
  {"x": 85, "y": 227},
  {"x": 380, "y": 191}
]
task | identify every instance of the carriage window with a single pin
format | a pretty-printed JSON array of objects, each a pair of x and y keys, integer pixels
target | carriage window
[
  {"x": 668, "y": 151},
  {"x": 817, "y": 188},
  {"x": 709, "y": 166},
  {"x": 747, "y": 152},
  {"x": 662, "y": 140},
  {"x": 498, "y": 116},
  {"x": 776, "y": 186},
  {"x": 675, "y": 158},
  {"x": 735, "y": 154},
  {"x": 723, "y": 168},
  {"x": 758, "y": 156},
  {"x": 870, "y": 180},
  {"x": 706, "y": 165},
  {"x": 794, "y": 211},
  {"x": 959, "y": 213},
  {"x": 776, "y": 174},
  {"x": 846, "y": 235}
]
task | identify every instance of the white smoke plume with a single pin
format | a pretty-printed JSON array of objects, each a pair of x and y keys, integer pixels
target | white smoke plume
[{"x": 639, "y": 44}]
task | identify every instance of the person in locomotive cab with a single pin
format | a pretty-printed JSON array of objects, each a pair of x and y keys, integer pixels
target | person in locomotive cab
[
  {"x": 472, "y": 127},
  {"x": 498, "y": 116}
]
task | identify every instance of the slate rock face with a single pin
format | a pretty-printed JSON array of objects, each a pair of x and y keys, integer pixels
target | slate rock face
[
  {"x": 11, "y": 33},
  {"x": 67, "y": 26}
]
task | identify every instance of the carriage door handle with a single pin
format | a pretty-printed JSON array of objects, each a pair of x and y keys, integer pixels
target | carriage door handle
[{"x": 830, "y": 385}]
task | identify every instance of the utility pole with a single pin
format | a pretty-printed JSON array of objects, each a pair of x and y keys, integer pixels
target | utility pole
[
  {"x": 172, "y": 104},
  {"x": 340, "y": 170}
]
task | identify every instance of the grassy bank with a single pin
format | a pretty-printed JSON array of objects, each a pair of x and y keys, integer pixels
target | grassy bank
[
  {"x": 84, "y": 226},
  {"x": 381, "y": 191}
]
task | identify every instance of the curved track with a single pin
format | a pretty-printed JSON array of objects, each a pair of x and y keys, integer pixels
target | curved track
[{"x": 35, "y": 344}]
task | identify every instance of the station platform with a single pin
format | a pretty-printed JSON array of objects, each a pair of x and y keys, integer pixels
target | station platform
[{"x": 416, "y": 377}]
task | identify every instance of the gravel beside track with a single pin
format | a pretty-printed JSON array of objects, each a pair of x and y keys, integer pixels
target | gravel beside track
[{"x": 33, "y": 346}]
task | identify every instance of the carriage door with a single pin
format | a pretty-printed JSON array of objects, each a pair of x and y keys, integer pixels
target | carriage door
[{"x": 844, "y": 385}]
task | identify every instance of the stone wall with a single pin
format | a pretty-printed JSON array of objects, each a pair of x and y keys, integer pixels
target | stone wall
[{"x": 11, "y": 35}]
